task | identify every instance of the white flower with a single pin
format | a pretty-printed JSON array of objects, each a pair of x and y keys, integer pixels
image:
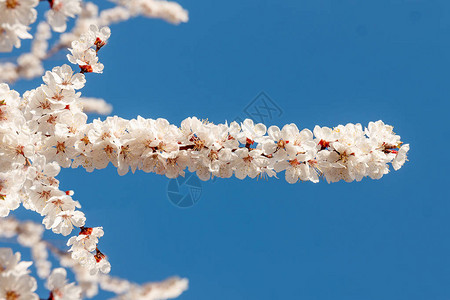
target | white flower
[
  {"x": 301, "y": 167},
  {"x": 17, "y": 287},
  {"x": 324, "y": 136},
  {"x": 18, "y": 11},
  {"x": 60, "y": 289},
  {"x": 10, "y": 115},
  {"x": 65, "y": 78},
  {"x": 280, "y": 142},
  {"x": 341, "y": 162},
  {"x": 10, "y": 184},
  {"x": 56, "y": 94},
  {"x": 154, "y": 162},
  {"x": 10, "y": 263},
  {"x": 10, "y": 36},
  {"x": 14, "y": 281},
  {"x": 249, "y": 163},
  {"x": 39, "y": 105},
  {"x": 69, "y": 125},
  {"x": 377, "y": 164},
  {"x": 98, "y": 36},
  {"x": 58, "y": 204},
  {"x": 16, "y": 147},
  {"x": 380, "y": 134},
  {"x": 42, "y": 172},
  {"x": 60, "y": 149},
  {"x": 15, "y": 16},
  {"x": 250, "y": 132},
  {"x": 176, "y": 162},
  {"x": 64, "y": 222},
  {"x": 401, "y": 157},
  {"x": 60, "y": 10}
]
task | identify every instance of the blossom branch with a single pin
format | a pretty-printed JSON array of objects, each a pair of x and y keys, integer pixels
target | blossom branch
[
  {"x": 29, "y": 65},
  {"x": 29, "y": 235}
]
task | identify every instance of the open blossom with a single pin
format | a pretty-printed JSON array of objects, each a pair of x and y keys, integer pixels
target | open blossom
[
  {"x": 10, "y": 263},
  {"x": 58, "y": 204},
  {"x": 248, "y": 163},
  {"x": 21, "y": 11},
  {"x": 10, "y": 115},
  {"x": 59, "y": 288},
  {"x": 18, "y": 287},
  {"x": 64, "y": 221},
  {"x": 58, "y": 95},
  {"x": 60, "y": 149},
  {"x": 10, "y": 36},
  {"x": 10, "y": 184},
  {"x": 251, "y": 132},
  {"x": 64, "y": 78},
  {"x": 60, "y": 10},
  {"x": 98, "y": 36},
  {"x": 401, "y": 157}
]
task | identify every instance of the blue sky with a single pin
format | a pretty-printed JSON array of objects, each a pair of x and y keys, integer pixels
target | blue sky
[{"x": 323, "y": 62}]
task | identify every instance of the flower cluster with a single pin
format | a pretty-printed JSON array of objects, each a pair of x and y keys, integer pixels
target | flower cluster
[
  {"x": 15, "y": 16},
  {"x": 82, "y": 52},
  {"x": 29, "y": 65},
  {"x": 15, "y": 283},
  {"x": 28, "y": 167},
  {"x": 29, "y": 235}
]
